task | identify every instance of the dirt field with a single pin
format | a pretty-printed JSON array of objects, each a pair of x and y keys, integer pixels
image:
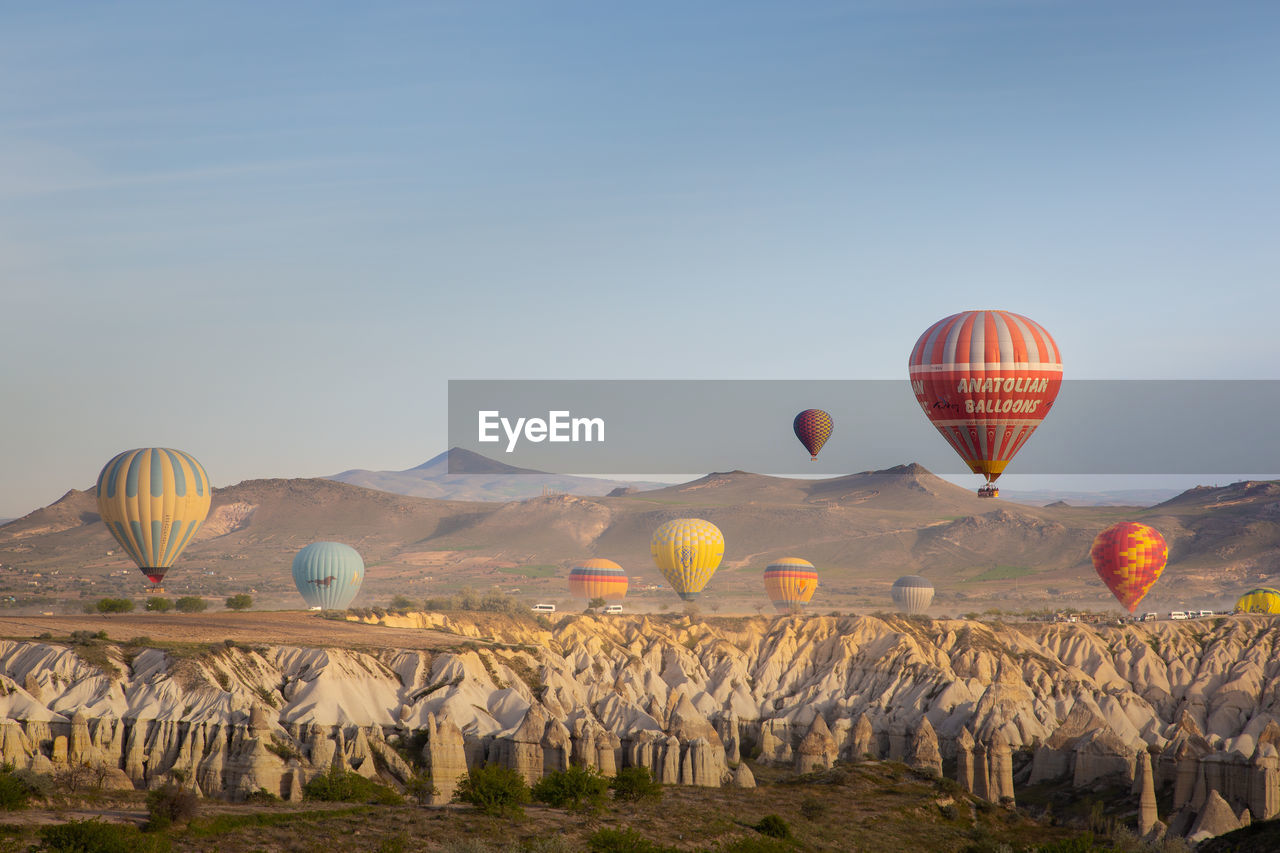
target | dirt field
[{"x": 284, "y": 628}]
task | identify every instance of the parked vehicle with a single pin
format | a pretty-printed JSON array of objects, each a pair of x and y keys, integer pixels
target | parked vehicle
[
  {"x": 613, "y": 609},
  {"x": 1150, "y": 617},
  {"x": 1178, "y": 614},
  {"x": 544, "y": 608}
]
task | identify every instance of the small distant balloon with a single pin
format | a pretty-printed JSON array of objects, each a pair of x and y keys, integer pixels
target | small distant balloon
[
  {"x": 328, "y": 574},
  {"x": 688, "y": 551},
  {"x": 598, "y": 578},
  {"x": 912, "y": 593},
  {"x": 1129, "y": 558},
  {"x": 813, "y": 428},
  {"x": 153, "y": 501},
  {"x": 790, "y": 583}
]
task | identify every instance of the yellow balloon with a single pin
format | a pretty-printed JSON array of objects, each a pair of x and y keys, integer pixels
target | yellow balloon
[
  {"x": 153, "y": 501},
  {"x": 1262, "y": 600},
  {"x": 688, "y": 551}
]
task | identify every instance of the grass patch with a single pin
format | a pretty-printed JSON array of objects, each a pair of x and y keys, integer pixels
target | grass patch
[
  {"x": 223, "y": 823},
  {"x": 542, "y": 570}
]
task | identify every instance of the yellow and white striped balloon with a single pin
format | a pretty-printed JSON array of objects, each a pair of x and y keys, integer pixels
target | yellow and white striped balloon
[
  {"x": 153, "y": 501},
  {"x": 688, "y": 551}
]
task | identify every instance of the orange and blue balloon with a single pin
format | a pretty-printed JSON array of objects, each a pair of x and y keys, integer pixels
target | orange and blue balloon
[
  {"x": 597, "y": 578},
  {"x": 790, "y": 583}
]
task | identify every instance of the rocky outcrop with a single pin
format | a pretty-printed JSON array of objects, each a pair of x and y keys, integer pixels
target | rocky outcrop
[
  {"x": 1145, "y": 784},
  {"x": 1216, "y": 818},
  {"x": 1189, "y": 707}
]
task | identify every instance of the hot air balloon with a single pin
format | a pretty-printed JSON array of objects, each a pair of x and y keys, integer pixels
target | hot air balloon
[
  {"x": 1129, "y": 557},
  {"x": 153, "y": 500},
  {"x": 912, "y": 593},
  {"x": 328, "y": 574},
  {"x": 598, "y": 579},
  {"x": 1261, "y": 600},
  {"x": 688, "y": 551},
  {"x": 813, "y": 428},
  {"x": 986, "y": 379},
  {"x": 790, "y": 583}
]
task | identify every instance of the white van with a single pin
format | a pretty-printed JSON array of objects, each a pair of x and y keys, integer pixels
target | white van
[
  {"x": 1150, "y": 617},
  {"x": 1204, "y": 613},
  {"x": 1177, "y": 614},
  {"x": 613, "y": 609},
  {"x": 544, "y": 608}
]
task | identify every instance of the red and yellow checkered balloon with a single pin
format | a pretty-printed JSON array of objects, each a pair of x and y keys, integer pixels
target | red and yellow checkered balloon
[{"x": 1129, "y": 557}]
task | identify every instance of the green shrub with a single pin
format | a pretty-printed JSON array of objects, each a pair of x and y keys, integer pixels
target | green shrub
[
  {"x": 239, "y": 601},
  {"x": 345, "y": 786},
  {"x": 402, "y": 604},
  {"x": 114, "y": 605},
  {"x": 170, "y": 804},
  {"x": 812, "y": 808},
  {"x": 633, "y": 784},
  {"x": 579, "y": 788},
  {"x": 16, "y": 790},
  {"x": 421, "y": 788},
  {"x": 94, "y": 836},
  {"x": 155, "y": 604},
  {"x": 191, "y": 604},
  {"x": 623, "y": 841},
  {"x": 773, "y": 826},
  {"x": 494, "y": 790},
  {"x": 262, "y": 797}
]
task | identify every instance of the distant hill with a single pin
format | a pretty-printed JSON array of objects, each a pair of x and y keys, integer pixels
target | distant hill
[
  {"x": 861, "y": 530},
  {"x": 479, "y": 478},
  {"x": 1118, "y": 497}
]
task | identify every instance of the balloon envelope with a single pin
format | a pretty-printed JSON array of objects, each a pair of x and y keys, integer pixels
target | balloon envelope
[
  {"x": 790, "y": 583},
  {"x": 1129, "y": 557},
  {"x": 986, "y": 379},
  {"x": 1261, "y": 600},
  {"x": 912, "y": 593},
  {"x": 813, "y": 428},
  {"x": 328, "y": 574},
  {"x": 688, "y": 551},
  {"x": 598, "y": 578},
  {"x": 153, "y": 500}
]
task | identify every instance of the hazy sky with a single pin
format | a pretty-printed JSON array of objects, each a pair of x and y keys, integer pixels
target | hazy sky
[{"x": 269, "y": 233}]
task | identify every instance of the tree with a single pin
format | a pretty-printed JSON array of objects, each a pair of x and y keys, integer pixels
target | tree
[
  {"x": 240, "y": 601},
  {"x": 579, "y": 788},
  {"x": 402, "y": 603},
  {"x": 494, "y": 790},
  {"x": 159, "y": 605},
  {"x": 633, "y": 784},
  {"x": 191, "y": 604},
  {"x": 114, "y": 605},
  {"x": 596, "y": 603}
]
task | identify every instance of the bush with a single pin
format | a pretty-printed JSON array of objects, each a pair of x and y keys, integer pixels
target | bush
[
  {"x": 578, "y": 787},
  {"x": 240, "y": 601},
  {"x": 114, "y": 605},
  {"x": 773, "y": 826},
  {"x": 633, "y": 784},
  {"x": 811, "y": 808},
  {"x": 345, "y": 786},
  {"x": 155, "y": 604},
  {"x": 494, "y": 790},
  {"x": 402, "y": 604},
  {"x": 170, "y": 804},
  {"x": 94, "y": 836},
  {"x": 16, "y": 790},
  {"x": 191, "y": 604},
  {"x": 421, "y": 788}
]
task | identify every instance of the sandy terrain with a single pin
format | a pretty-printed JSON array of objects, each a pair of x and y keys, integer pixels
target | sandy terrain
[{"x": 286, "y": 628}]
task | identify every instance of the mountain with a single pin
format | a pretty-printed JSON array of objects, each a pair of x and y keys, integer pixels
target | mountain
[
  {"x": 1116, "y": 497},
  {"x": 862, "y": 530},
  {"x": 459, "y": 474}
]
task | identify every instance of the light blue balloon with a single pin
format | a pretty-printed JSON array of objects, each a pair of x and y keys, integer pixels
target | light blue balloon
[{"x": 328, "y": 574}]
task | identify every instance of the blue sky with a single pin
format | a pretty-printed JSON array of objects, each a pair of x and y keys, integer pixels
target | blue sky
[{"x": 269, "y": 234}]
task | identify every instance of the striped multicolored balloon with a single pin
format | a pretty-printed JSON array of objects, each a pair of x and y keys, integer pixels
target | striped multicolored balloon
[
  {"x": 153, "y": 500},
  {"x": 986, "y": 380},
  {"x": 597, "y": 578},
  {"x": 1129, "y": 558},
  {"x": 790, "y": 583}
]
